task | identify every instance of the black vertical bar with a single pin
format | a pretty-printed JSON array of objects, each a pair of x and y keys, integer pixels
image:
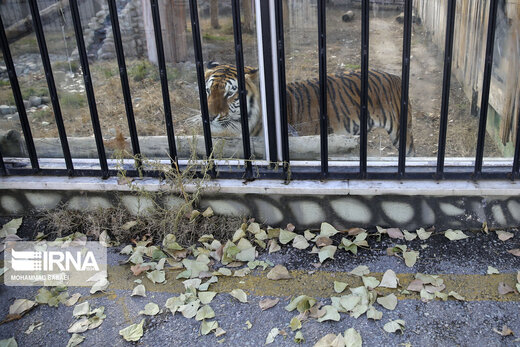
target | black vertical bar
[
  {"x": 164, "y": 81},
  {"x": 268, "y": 78},
  {"x": 89, "y": 89},
  {"x": 199, "y": 62},
  {"x": 364, "y": 87},
  {"x": 516, "y": 158},
  {"x": 322, "y": 49},
  {"x": 282, "y": 91},
  {"x": 403, "y": 119},
  {"x": 488, "y": 67},
  {"x": 446, "y": 82},
  {"x": 239, "y": 56},
  {"x": 40, "y": 36},
  {"x": 3, "y": 170},
  {"x": 125, "y": 86},
  {"x": 26, "y": 128}
]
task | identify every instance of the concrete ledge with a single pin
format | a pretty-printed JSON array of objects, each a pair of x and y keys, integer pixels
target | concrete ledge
[
  {"x": 229, "y": 186},
  {"x": 405, "y": 204}
]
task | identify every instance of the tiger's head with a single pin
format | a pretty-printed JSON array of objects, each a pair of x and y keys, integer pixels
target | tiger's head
[{"x": 224, "y": 101}]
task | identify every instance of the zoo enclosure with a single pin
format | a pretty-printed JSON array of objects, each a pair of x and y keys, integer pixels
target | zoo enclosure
[{"x": 271, "y": 20}]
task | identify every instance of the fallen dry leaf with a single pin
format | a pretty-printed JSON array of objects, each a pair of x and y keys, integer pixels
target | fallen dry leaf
[
  {"x": 21, "y": 306},
  {"x": 137, "y": 269},
  {"x": 239, "y": 294},
  {"x": 355, "y": 231},
  {"x": 339, "y": 286},
  {"x": 491, "y": 270},
  {"x": 389, "y": 279},
  {"x": 504, "y": 289},
  {"x": 322, "y": 241},
  {"x": 279, "y": 272},
  {"x": 409, "y": 236},
  {"x": 273, "y": 246},
  {"x": 410, "y": 258},
  {"x": 352, "y": 338},
  {"x": 389, "y": 302},
  {"x": 415, "y": 286},
  {"x": 505, "y": 331},
  {"x": 271, "y": 336},
  {"x": 300, "y": 242},
  {"x": 454, "y": 235},
  {"x": 268, "y": 303},
  {"x": 395, "y": 233},
  {"x": 423, "y": 234},
  {"x": 326, "y": 253},
  {"x": 295, "y": 324},
  {"x": 515, "y": 252},
  {"x": 360, "y": 271},
  {"x": 326, "y": 341},
  {"x": 394, "y": 325},
  {"x": 504, "y": 235},
  {"x": 327, "y": 230}
]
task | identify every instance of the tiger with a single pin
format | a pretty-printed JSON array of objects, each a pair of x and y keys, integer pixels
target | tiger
[{"x": 303, "y": 103}]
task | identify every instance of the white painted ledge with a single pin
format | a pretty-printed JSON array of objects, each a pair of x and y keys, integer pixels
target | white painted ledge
[{"x": 274, "y": 187}]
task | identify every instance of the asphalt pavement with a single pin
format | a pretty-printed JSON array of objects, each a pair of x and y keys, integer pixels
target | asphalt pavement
[{"x": 462, "y": 264}]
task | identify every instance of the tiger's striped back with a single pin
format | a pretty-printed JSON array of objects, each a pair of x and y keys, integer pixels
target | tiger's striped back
[{"x": 343, "y": 105}]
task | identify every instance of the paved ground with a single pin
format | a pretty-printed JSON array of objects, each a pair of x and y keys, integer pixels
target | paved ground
[{"x": 462, "y": 264}]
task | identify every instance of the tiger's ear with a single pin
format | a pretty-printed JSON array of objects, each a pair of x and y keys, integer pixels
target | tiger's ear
[
  {"x": 252, "y": 74},
  {"x": 212, "y": 64}
]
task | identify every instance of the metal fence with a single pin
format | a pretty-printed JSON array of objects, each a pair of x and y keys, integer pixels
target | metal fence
[{"x": 271, "y": 13}]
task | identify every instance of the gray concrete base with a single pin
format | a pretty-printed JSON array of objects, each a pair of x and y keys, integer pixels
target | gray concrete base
[{"x": 407, "y": 204}]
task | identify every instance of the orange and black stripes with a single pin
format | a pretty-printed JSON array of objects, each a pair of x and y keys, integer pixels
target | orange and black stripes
[{"x": 343, "y": 102}]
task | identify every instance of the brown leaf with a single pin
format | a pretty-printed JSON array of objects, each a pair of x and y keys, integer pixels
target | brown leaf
[
  {"x": 323, "y": 241},
  {"x": 355, "y": 231},
  {"x": 279, "y": 272},
  {"x": 180, "y": 254},
  {"x": 504, "y": 235},
  {"x": 505, "y": 331},
  {"x": 137, "y": 269},
  {"x": 303, "y": 316},
  {"x": 395, "y": 233},
  {"x": 290, "y": 227},
  {"x": 268, "y": 303},
  {"x": 415, "y": 286},
  {"x": 504, "y": 289},
  {"x": 317, "y": 311},
  {"x": 515, "y": 252}
]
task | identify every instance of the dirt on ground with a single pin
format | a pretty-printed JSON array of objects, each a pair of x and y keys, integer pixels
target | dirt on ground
[{"x": 343, "y": 54}]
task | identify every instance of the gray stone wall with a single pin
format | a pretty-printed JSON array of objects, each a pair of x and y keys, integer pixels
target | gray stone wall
[{"x": 99, "y": 38}]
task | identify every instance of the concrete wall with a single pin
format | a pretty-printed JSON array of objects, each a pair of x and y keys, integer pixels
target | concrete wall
[{"x": 409, "y": 205}]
